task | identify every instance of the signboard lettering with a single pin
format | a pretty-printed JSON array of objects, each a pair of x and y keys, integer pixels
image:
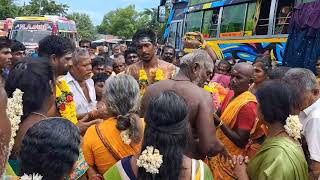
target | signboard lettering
[{"x": 40, "y": 26}]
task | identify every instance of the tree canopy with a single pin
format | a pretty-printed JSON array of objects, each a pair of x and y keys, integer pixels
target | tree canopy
[
  {"x": 120, "y": 22},
  {"x": 123, "y": 22},
  {"x": 84, "y": 25},
  {"x": 8, "y": 9},
  {"x": 45, "y": 7}
]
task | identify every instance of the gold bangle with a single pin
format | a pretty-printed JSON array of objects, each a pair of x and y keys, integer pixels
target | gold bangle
[{"x": 220, "y": 124}]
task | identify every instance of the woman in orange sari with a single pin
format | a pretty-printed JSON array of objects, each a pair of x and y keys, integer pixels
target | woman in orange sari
[{"x": 119, "y": 135}]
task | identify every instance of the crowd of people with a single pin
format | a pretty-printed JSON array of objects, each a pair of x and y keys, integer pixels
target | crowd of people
[{"x": 76, "y": 113}]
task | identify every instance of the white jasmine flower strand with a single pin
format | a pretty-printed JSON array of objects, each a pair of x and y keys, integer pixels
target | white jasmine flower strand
[
  {"x": 125, "y": 136},
  {"x": 31, "y": 177},
  {"x": 14, "y": 112},
  {"x": 150, "y": 159},
  {"x": 293, "y": 127}
]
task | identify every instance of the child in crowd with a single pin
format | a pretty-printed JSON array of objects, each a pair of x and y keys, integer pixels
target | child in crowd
[{"x": 99, "y": 80}]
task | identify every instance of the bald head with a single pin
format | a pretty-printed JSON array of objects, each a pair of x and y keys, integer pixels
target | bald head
[
  {"x": 242, "y": 77},
  {"x": 245, "y": 69}
]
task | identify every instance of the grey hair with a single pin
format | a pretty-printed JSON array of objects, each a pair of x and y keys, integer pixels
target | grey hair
[
  {"x": 197, "y": 56},
  {"x": 119, "y": 58},
  {"x": 122, "y": 94},
  {"x": 78, "y": 53},
  {"x": 302, "y": 79}
]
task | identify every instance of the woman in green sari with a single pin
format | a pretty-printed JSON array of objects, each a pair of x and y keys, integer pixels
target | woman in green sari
[{"x": 281, "y": 156}]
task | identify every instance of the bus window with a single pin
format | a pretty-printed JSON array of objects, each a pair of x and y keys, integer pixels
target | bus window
[
  {"x": 232, "y": 23},
  {"x": 193, "y": 22},
  {"x": 284, "y": 13},
  {"x": 251, "y": 21},
  {"x": 210, "y": 23},
  {"x": 172, "y": 34},
  {"x": 263, "y": 12}
]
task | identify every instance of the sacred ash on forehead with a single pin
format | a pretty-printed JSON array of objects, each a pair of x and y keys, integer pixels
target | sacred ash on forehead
[{"x": 144, "y": 40}]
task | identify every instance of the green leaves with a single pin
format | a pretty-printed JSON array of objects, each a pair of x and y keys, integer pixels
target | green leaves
[
  {"x": 120, "y": 22},
  {"x": 8, "y": 9},
  {"x": 45, "y": 7},
  {"x": 85, "y": 26},
  {"x": 124, "y": 22}
]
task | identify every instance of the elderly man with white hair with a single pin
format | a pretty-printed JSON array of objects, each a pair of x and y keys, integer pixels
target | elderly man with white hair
[
  {"x": 196, "y": 69},
  {"x": 308, "y": 103},
  {"x": 82, "y": 86}
]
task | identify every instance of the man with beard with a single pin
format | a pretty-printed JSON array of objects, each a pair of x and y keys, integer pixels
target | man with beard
[
  {"x": 196, "y": 69},
  {"x": 59, "y": 51},
  {"x": 150, "y": 68},
  {"x": 168, "y": 54}
]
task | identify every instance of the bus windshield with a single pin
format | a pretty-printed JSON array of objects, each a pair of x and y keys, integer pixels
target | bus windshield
[
  {"x": 31, "y": 31},
  {"x": 29, "y": 36}
]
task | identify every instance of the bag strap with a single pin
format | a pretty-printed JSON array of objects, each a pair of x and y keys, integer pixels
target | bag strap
[{"x": 106, "y": 144}]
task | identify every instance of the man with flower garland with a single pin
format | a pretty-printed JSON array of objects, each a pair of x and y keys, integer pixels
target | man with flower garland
[
  {"x": 59, "y": 51},
  {"x": 195, "y": 70},
  {"x": 150, "y": 69}
]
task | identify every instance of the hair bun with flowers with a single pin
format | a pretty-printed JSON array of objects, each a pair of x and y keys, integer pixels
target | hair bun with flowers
[
  {"x": 293, "y": 127},
  {"x": 150, "y": 159}
]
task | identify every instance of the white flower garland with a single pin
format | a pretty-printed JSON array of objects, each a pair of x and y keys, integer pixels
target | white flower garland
[
  {"x": 14, "y": 112},
  {"x": 150, "y": 159},
  {"x": 293, "y": 127},
  {"x": 125, "y": 136},
  {"x": 31, "y": 177}
]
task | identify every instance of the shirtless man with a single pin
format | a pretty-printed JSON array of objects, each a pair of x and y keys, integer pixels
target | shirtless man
[
  {"x": 195, "y": 70},
  {"x": 145, "y": 41}
]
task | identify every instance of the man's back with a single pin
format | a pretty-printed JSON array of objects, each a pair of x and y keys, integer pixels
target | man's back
[{"x": 200, "y": 107}]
